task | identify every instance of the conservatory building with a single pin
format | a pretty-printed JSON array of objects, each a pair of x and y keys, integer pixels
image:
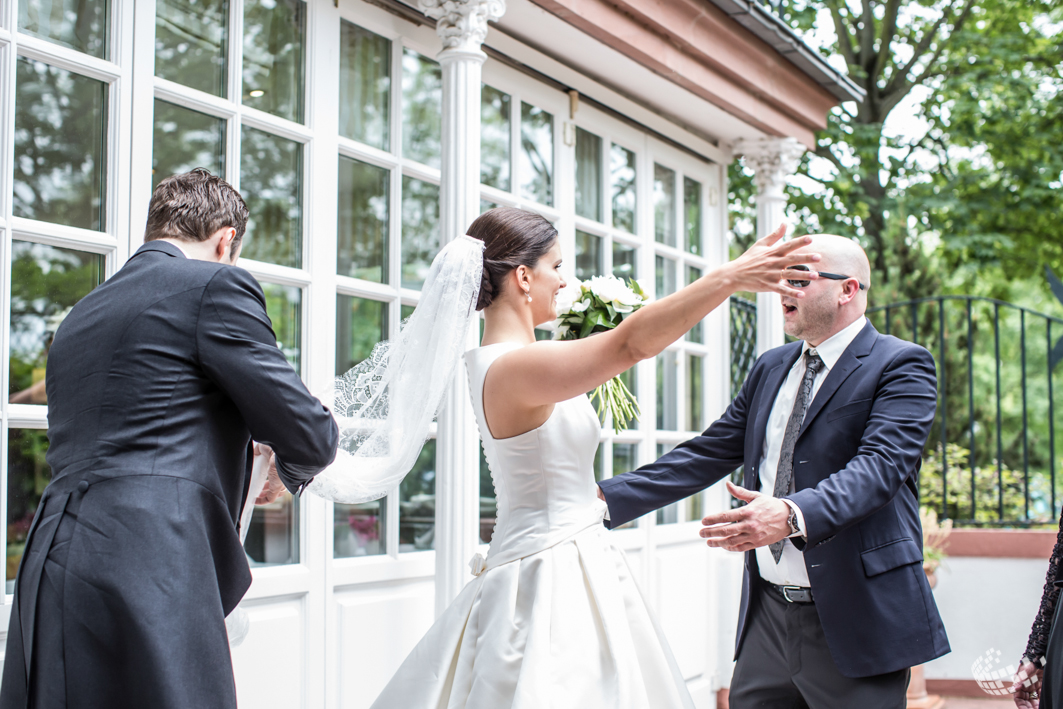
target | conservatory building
[{"x": 364, "y": 134}]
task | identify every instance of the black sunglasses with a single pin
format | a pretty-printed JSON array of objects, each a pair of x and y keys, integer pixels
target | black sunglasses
[{"x": 822, "y": 274}]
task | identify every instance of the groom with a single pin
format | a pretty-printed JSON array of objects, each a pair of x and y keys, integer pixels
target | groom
[
  {"x": 835, "y": 605},
  {"x": 157, "y": 381}
]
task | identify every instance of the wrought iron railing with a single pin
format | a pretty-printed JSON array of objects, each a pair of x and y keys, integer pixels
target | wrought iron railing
[
  {"x": 743, "y": 341},
  {"x": 991, "y": 458}
]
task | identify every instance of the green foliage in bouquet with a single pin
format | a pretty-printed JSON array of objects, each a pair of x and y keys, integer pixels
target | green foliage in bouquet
[{"x": 591, "y": 307}]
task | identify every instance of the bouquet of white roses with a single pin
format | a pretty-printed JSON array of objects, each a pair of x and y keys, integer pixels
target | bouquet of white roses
[{"x": 598, "y": 305}]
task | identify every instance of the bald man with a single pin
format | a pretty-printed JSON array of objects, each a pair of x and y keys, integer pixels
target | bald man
[{"x": 830, "y": 430}]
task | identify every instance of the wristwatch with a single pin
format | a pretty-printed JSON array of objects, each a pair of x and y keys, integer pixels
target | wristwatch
[{"x": 795, "y": 527}]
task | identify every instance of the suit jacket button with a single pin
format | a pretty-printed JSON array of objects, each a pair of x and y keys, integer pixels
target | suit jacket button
[{"x": 83, "y": 486}]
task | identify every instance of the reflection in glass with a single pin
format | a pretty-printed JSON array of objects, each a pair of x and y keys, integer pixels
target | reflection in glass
[
  {"x": 664, "y": 205},
  {"x": 588, "y": 255},
  {"x": 422, "y": 108},
  {"x": 60, "y": 127},
  {"x": 536, "y": 154},
  {"x": 494, "y": 138},
  {"x": 486, "y": 205},
  {"x": 667, "y": 392},
  {"x": 624, "y": 263},
  {"x": 184, "y": 139},
  {"x": 599, "y": 463},
  {"x": 420, "y": 230},
  {"x": 27, "y": 476},
  {"x": 192, "y": 43},
  {"x": 273, "y": 534},
  {"x": 365, "y": 86},
  {"x": 80, "y": 25},
  {"x": 284, "y": 305},
  {"x": 46, "y": 282},
  {"x": 417, "y": 503},
  {"x": 274, "y": 41},
  {"x": 622, "y": 184},
  {"x": 588, "y": 175},
  {"x": 271, "y": 182},
  {"x": 692, "y": 214},
  {"x": 665, "y": 276},
  {"x": 696, "y": 333},
  {"x": 696, "y": 389},
  {"x": 358, "y": 530},
  {"x": 360, "y": 324},
  {"x": 669, "y": 514},
  {"x": 488, "y": 499},
  {"x": 362, "y": 238},
  {"x": 625, "y": 458}
]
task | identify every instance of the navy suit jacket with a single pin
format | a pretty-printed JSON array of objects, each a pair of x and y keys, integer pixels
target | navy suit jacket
[{"x": 856, "y": 465}]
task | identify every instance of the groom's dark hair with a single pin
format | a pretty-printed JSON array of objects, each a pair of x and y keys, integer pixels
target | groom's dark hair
[
  {"x": 512, "y": 237},
  {"x": 194, "y": 205}
]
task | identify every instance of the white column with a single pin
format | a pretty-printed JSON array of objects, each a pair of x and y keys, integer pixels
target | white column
[
  {"x": 462, "y": 25},
  {"x": 773, "y": 160}
]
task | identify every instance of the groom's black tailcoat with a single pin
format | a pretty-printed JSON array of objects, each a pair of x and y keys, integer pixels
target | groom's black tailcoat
[
  {"x": 856, "y": 465},
  {"x": 157, "y": 381}
]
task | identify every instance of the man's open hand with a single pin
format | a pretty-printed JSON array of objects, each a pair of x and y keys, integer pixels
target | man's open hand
[
  {"x": 760, "y": 523},
  {"x": 274, "y": 488}
]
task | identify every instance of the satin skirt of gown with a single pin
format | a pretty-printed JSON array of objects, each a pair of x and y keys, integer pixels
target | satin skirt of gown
[{"x": 553, "y": 618}]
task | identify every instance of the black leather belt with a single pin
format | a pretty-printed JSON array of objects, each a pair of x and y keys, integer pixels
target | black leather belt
[{"x": 790, "y": 594}]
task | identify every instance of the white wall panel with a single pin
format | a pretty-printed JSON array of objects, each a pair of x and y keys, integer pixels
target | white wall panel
[
  {"x": 270, "y": 665},
  {"x": 377, "y": 629}
]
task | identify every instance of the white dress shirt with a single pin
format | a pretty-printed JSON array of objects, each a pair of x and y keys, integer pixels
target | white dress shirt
[{"x": 791, "y": 571}]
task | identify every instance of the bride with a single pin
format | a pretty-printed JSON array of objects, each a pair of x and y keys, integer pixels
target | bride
[{"x": 554, "y": 617}]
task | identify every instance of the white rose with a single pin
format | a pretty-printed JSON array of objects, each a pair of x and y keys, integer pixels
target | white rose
[
  {"x": 612, "y": 290},
  {"x": 568, "y": 295},
  {"x": 580, "y": 307}
]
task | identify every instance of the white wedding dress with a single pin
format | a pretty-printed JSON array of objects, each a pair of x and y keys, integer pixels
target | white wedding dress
[{"x": 554, "y": 619}]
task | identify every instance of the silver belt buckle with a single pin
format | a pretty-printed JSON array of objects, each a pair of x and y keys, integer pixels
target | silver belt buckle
[{"x": 786, "y": 595}]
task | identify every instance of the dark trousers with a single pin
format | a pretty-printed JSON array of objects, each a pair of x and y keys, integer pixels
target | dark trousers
[{"x": 784, "y": 663}]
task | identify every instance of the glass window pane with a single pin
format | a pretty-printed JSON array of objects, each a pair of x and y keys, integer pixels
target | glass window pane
[
  {"x": 696, "y": 390},
  {"x": 625, "y": 458},
  {"x": 696, "y": 333},
  {"x": 420, "y": 230},
  {"x": 588, "y": 175},
  {"x": 488, "y": 507},
  {"x": 273, "y": 534},
  {"x": 667, "y": 392},
  {"x": 536, "y": 154},
  {"x": 362, "y": 239},
  {"x": 271, "y": 170},
  {"x": 192, "y": 43},
  {"x": 422, "y": 108},
  {"x": 664, "y": 205},
  {"x": 184, "y": 139},
  {"x": 358, "y": 530},
  {"x": 669, "y": 514},
  {"x": 494, "y": 138},
  {"x": 599, "y": 463},
  {"x": 60, "y": 127},
  {"x": 274, "y": 39},
  {"x": 622, "y": 184},
  {"x": 588, "y": 255},
  {"x": 46, "y": 282},
  {"x": 692, "y": 214},
  {"x": 365, "y": 86},
  {"x": 417, "y": 503},
  {"x": 284, "y": 305},
  {"x": 80, "y": 25},
  {"x": 27, "y": 476},
  {"x": 625, "y": 265},
  {"x": 360, "y": 324},
  {"x": 665, "y": 277},
  {"x": 485, "y": 205}
]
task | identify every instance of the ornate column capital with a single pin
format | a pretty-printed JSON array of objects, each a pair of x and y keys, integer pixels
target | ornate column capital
[
  {"x": 462, "y": 24},
  {"x": 772, "y": 159}
]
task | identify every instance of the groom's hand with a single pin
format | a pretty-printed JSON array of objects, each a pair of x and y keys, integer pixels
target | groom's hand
[
  {"x": 760, "y": 523},
  {"x": 273, "y": 488}
]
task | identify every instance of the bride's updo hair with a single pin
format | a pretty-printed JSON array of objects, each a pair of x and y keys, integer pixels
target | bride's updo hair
[{"x": 513, "y": 237}]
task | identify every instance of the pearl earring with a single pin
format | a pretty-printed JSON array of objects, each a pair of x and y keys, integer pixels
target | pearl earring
[{"x": 529, "y": 296}]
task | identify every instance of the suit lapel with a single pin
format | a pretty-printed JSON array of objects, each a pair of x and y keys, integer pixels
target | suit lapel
[{"x": 848, "y": 363}]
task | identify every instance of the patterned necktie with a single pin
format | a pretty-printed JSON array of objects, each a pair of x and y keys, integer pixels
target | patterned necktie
[{"x": 786, "y": 457}]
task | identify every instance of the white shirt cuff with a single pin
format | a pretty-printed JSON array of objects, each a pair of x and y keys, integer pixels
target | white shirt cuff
[{"x": 801, "y": 531}]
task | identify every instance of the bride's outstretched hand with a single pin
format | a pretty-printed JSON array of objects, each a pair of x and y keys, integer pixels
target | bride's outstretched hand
[{"x": 767, "y": 265}]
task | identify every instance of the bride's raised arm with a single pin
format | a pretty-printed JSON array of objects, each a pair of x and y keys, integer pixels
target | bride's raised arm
[{"x": 545, "y": 373}]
